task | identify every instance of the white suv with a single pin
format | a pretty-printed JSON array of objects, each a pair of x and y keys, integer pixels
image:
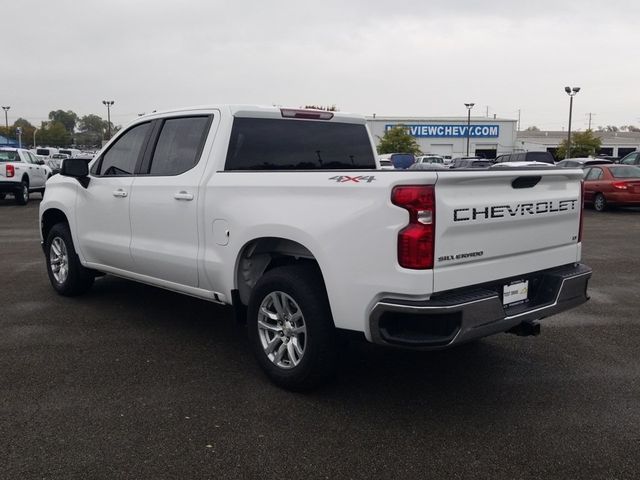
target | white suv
[{"x": 21, "y": 173}]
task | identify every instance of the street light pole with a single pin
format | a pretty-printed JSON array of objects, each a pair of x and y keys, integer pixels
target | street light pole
[
  {"x": 469, "y": 107},
  {"x": 34, "y": 137},
  {"x": 572, "y": 93},
  {"x": 108, "y": 103},
  {"x": 6, "y": 118}
]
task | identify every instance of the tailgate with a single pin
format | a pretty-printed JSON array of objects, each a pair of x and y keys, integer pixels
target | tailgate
[{"x": 497, "y": 224}]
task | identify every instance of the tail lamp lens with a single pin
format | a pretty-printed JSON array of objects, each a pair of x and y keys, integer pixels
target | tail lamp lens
[
  {"x": 620, "y": 185},
  {"x": 416, "y": 241},
  {"x": 10, "y": 171}
]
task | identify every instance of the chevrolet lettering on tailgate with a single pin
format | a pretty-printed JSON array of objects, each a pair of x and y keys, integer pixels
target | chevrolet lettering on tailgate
[{"x": 501, "y": 211}]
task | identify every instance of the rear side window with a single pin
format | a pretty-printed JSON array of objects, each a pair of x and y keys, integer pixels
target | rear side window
[
  {"x": 43, "y": 151},
  {"x": 122, "y": 156},
  {"x": 9, "y": 156},
  {"x": 275, "y": 144},
  {"x": 179, "y": 145},
  {"x": 480, "y": 164},
  {"x": 594, "y": 174},
  {"x": 545, "y": 157}
]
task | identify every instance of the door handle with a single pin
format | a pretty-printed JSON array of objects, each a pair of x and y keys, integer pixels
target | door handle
[
  {"x": 119, "y": 193},
  {"x": 183, "y": 195}
]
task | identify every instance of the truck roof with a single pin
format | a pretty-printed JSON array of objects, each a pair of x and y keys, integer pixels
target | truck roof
[{"x": 259, "y": 111}]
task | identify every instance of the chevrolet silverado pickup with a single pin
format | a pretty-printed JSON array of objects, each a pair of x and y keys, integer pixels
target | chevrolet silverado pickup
[{"x": 285, "y": 215}]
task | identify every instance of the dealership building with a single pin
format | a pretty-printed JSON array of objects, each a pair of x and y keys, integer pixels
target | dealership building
[
  {"x": 447, "y": 136},
  {"x": 616, "y": 144},
  {"x": 489, "y": 137}
]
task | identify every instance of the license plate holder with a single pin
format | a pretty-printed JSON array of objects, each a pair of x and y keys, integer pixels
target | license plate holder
[{"x": 515, "y": 292}]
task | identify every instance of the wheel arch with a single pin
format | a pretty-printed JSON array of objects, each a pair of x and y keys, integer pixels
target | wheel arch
[
  {"x": 260, "y": 255},
  {"x": 51, "y": 217}
]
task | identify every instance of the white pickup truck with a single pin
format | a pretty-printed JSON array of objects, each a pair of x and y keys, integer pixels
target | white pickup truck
[
  {"x": 285, "y": 215},
  {"x": 21, "y": 173}
]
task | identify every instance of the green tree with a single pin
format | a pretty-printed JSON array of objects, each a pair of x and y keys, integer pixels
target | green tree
[
  {"x": 92, "y": 130},
  {"x": 53, "y": 134},
  {"x": 398, "y": 140},
  {"x": 27, "y": 131},
  {"x": 532, "y": 128},
  {"x": 68, "y": 119},
  {"x": 583, "y": 144}
]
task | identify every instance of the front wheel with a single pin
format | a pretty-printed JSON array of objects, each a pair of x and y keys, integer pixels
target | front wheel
[
  {"x": 290, "y": 327},
  {"x": 66, "y": 274},
  {"x": 600, "y": 203}
]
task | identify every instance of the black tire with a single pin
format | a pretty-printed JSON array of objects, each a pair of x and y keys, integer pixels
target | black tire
[
  {"x": 303, "y": 284},
  {"x": 78, "y": 279},
  {"x": 600, "y": 203},
  {"x": 22, "y": 195}
]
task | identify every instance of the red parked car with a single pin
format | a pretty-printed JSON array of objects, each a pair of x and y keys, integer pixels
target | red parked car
[{"x": 612, "y": 185}]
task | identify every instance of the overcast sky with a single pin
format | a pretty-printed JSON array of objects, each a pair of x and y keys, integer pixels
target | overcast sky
[{"x": 400, "y": 57}]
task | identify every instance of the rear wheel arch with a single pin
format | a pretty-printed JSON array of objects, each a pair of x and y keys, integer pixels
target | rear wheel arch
[{"x": 261, "y": 255}]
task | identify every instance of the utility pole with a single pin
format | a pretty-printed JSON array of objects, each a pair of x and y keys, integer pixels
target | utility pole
[
  {"x": 108, "y": 104},
  {"x": 518, "y": 119},
  {"x": 469, "y": 107},
  {"x": 6, "y": 119},
  {"x": 590, "y": 114},
  {"x": 487, "y": 114},
  {"x": 572, "y": 93}
]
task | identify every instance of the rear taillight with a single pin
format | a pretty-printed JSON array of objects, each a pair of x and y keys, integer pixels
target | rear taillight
[
  {"x": 416, "y": 241},
  {"x": 11, "y": 171},
  {"x": 620, "y": 185},
  {"x": 581, "y": 210}
]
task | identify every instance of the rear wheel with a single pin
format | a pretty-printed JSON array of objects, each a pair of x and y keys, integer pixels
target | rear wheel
[
  {"x": 291, "y": 329},
  {"x": 600, "y": 203},
  {"x": 22, "y": 195},
  {"x": 66, "y": 274}
]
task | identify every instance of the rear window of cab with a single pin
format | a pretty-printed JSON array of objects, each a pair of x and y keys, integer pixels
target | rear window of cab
[{"x": 279, "y": 144}]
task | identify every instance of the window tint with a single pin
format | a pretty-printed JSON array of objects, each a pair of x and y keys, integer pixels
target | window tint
[
  {"x": 545, "y": 157},
  {"x": 9, "y": 156},
  {"x": 274, "y": 144},
  {"x": 179, "y": 145},
  {"x": 625, "y": 171},
  {"x": 630, "y": 160},
  {"x": 594, "y": 174},
  {"x": 43, "y": 151},
  {"x": 122, "y": 156}
]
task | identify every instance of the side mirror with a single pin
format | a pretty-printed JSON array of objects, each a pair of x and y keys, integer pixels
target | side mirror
[
  {"x": 77, "y": 168},
  {"x": 40, "y": 162}
]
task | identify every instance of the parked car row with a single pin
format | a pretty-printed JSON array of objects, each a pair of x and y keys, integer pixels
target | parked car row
[
  {"x": 23, "y": 172},
  {"x": 606, "y": 183}
]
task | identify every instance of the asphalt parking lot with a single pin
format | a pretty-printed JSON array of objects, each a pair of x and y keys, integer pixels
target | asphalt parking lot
[{"x": 130, "y": 381}]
